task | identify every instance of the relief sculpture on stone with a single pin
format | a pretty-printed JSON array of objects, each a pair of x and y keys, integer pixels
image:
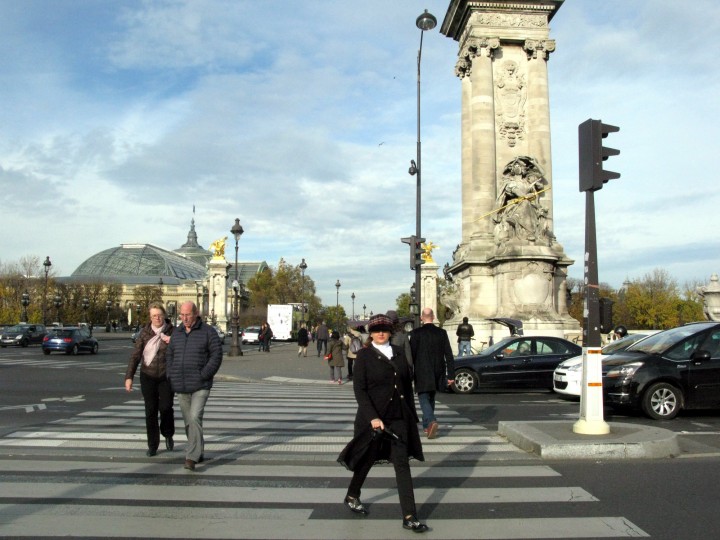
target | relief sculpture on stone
[
  {"x": 520, "y": 218},
  {"x": 511, "y": 95}
]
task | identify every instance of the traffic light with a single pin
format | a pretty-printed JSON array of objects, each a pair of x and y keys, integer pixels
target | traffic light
[
  {"x": 606, "y": 315},
  {"x": 592, "y": 154},
  {"x": 416, "y": 250}
]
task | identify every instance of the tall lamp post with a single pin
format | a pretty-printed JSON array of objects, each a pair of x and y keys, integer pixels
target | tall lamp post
[
  {"x": 25, "y": 301},
  {"x": 352, "y": 296},
  {"x": 426, "y": 21},
  {"x": 337, "y": 305},
  {"x": 235, "y": 347},
  {"x": 58, "y": 304},
  {"x": 364, "y": 308},
  {"x": 47, "y": 264},
  {"x": 108, "y": 305},
  {"x": 137, "y": 312},
  {"x": 303, "y": 267},
  {"x": 85, "y": 305}
]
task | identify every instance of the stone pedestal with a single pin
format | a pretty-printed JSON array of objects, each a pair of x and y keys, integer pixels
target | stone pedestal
[
  {"x": 428, "y": 284},
  {"x": 710, "y": 294},
  {"x": 508, "y": 263},
  {"x": 216, "y": 282}
]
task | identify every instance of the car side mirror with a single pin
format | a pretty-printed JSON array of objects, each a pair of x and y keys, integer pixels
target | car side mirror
[
  {"x": 499, "y": 356},
  {"x": 701, "y": 354}
]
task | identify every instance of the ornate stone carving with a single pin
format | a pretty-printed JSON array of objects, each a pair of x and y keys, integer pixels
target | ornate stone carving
[
  {"x": 711, "y": 298},
  {"x": 450, "y": 298},
  {"x": 520, "y": 219},
  {"x": 511, "y": 21},
  {"x": 510, "y": 98},
  {"x": 539, "y": 48},
  {"x": 474, "y": 47}
]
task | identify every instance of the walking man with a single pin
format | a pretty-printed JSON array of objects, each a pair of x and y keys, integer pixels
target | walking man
[
  {"x": 464, "y": 332},
  {"x": 193, "y": 358},
  {"x": 323, "y": 334},
  {"x": 434, "y": 367}
]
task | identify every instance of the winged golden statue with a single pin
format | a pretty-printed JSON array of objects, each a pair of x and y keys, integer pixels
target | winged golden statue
[{"x": 218, "y": 248}]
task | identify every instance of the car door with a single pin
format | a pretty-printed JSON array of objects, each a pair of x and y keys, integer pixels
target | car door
[
  {"x": 548, "y": 353},
  {"x": 703, "y": 374},
  {"x": 509, "y": 365}
]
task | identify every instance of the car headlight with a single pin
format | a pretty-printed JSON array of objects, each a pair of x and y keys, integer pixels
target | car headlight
[
  {"x": 573, "y": 367},
  {"x": 625, "y": 371}
]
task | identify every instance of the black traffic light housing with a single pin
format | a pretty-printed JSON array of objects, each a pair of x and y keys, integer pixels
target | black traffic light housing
[
  {"x": 592, "y": 154},
  {"x": 606, "y": 315},
  {"x": 416, "y": 250}
]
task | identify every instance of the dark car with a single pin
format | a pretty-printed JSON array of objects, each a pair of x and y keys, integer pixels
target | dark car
[
  {"x": 666, "y": 372},
  {"x": 70, "y": 340},
  {"x": 22, "y": 334},
  {"x": 514, "y": 361}
]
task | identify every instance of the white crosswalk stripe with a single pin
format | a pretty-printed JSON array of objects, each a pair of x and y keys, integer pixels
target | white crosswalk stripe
[{"x": 270, "y": 472}]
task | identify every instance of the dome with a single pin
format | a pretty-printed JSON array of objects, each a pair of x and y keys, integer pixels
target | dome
[{"x": 139, "y": 263}]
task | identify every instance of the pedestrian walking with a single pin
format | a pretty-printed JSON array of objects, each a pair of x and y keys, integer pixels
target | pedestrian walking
[
  {"x": 266, "y": 337},
  {"x": 322, "y": 334},
  {"x": 399, "y": 336},
  {"x": 149, "y": 353},
  {"x": 336, "y": 361},
  {"x": 464, "y": 333},
  {"x": 353, "y": 344},
  {"x": 385, "y": 425},
  {"x": 194, "y": 356},
  {"x": 303, "y": 340},
  {"x": 434, "y": 367}
]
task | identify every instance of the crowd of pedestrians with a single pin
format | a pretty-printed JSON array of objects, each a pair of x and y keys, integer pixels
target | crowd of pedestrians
[{"x": 387, "y": 365}]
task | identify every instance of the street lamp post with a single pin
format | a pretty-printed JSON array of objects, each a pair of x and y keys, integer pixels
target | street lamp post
[
  {"x": 337, "y": 305},
  {"x": 352, "y": 296},
  {"x": 58, "y": 304},
  {"x": 47, "y": 264},
  {"x": 303, "y": 267},
  {"x": 108, "y": 305},
  {"x": 137, "y": 312},
  {"x": 25, "y": 301},
  {"x": 426, "y": 21},
  {"x": 364, "y": 308},
  {"x": 85, "y": 305},
  {"x": 235, "y": 346}
]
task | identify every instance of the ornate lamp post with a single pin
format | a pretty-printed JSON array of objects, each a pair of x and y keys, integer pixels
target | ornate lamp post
[
  {"x": 137, "y": 312},
  {"x": 352, "y": 296},
  {"x": 364, "y": 307},
  {"x": 25, "y": 301},
  {"x": 303, "y": 267},
  {"x": 426, "y": 21},
  {"x": 235, "y": 347},
  {"x": 85, "y": 305},
  {"x": 58, "y": 304},
  {"x": 47, "y": 264},
  {"x": 337, "y": 305},
  {"x": 108, "y": 305}
]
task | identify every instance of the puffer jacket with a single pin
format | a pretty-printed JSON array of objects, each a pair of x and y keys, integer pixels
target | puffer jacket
[
  {"x": 193, "y": 358},
  {"x": 157, "y": 366}
]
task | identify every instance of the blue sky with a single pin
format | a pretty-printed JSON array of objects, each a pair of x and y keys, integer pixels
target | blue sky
[{"x": 298, "y": 117}]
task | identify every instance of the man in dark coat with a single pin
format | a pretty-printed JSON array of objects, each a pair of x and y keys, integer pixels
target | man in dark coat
[
  {"x": 464, "y": 333},
  {"x": 434, "y": 367},
  {"x": 193, "y": 358}
]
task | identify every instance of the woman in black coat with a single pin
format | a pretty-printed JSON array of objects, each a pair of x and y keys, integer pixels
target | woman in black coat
[{"x": 386, "y": 421}]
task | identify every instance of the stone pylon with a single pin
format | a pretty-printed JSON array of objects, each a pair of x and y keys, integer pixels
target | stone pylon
[{"x": 508, "y": 263}]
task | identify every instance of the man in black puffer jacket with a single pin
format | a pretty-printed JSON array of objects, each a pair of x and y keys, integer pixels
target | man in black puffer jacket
[{"x": 193, "y": 358}]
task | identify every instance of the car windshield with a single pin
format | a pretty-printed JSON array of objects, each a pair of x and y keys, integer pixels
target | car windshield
[
  {"x": 622, "y": 344},
  {"x": 16, "y": 328},
  {"x": 662, "y": 341},
  {"x": 500, "y": 346}
]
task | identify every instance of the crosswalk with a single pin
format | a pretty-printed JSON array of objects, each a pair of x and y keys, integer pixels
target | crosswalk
[{"x": 270, "y": 472}]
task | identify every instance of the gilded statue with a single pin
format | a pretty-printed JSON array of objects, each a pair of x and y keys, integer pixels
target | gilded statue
[
  {"x": 218, "y": 248},
  {"x": 427, "y": 256}
]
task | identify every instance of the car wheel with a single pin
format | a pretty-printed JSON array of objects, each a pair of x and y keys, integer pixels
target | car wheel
[
  {"x": 74, "y": 350},
  {"x": 465, "y": 381},
  {"x": 24, "y": 343},
  {"x": 662, "y": 401},
  {"x": 46, "y": 352},
  {"x": 95, "y": 348}
]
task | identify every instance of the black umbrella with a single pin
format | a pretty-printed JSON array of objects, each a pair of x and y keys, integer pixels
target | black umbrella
[{"x": 354, "y": 452}]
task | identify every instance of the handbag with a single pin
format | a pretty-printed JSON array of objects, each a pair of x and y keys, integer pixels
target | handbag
[{"x": 328, "y": 357}]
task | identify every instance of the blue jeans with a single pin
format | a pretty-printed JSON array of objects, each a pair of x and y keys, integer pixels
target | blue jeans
[
  {"x": 464, "y": 349},
  {"x": 427, "y": 406},
  {"x": 193, "y": 407}
]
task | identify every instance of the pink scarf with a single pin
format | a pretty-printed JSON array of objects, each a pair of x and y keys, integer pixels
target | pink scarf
[{"x": 152, "y": 346}]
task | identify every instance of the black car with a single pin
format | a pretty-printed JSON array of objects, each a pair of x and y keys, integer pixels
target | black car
[
  {"x": 22, "y": 334},
  {"x": 516, "y": 360},
  {"x": 70, "y": 340},
  {"x": 666, "y": 372}
]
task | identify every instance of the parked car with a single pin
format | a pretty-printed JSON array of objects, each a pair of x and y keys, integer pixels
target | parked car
[
  {"x": 251, "y": 334},
  {"x": 22, "y": 334},
  {"x": 567, "y": 379},
  {"x": 514, "y": 361},
  {"x": 70, "y": 340},
  {"x": 220, "y": 334},
  {"x": 664, "y": 373}
]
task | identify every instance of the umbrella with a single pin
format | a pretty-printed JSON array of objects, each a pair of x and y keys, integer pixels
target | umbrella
[{"x": 354, "y": 452}]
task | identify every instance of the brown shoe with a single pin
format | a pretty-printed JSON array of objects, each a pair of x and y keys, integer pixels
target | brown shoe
[
  {"x": 432, "y": 430},
  {"x": 189, "y": 464}
]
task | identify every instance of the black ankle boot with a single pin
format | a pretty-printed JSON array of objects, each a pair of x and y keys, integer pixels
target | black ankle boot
[
  {"x": 355, "y": 505},
  {"x": 414, "y": 525}
]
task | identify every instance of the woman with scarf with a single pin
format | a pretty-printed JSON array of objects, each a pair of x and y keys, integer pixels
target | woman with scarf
[
  {"x": 149, "y": 354},
  {"x": 386, "y": 421}
]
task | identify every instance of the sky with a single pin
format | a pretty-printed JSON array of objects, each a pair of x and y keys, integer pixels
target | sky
[{"x": 299, "y": 118}]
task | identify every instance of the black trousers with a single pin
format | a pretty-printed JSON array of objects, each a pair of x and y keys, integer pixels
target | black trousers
[
  {"x": 400, "y": 461},
  {"x": 158, "y": 400}
]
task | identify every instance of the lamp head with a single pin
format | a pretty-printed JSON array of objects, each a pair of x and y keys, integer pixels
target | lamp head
[
  {"x": 426, "y": 21},
  {"x": 237, "y": 229}
]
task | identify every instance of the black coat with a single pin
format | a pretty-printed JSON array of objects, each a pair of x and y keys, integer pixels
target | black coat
[
  {"x": 432, "y": 357},
  {"x": 375, "y": 379},
  {"x": 193, "y": 358},
  {"x": 156, "y": 369}
]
